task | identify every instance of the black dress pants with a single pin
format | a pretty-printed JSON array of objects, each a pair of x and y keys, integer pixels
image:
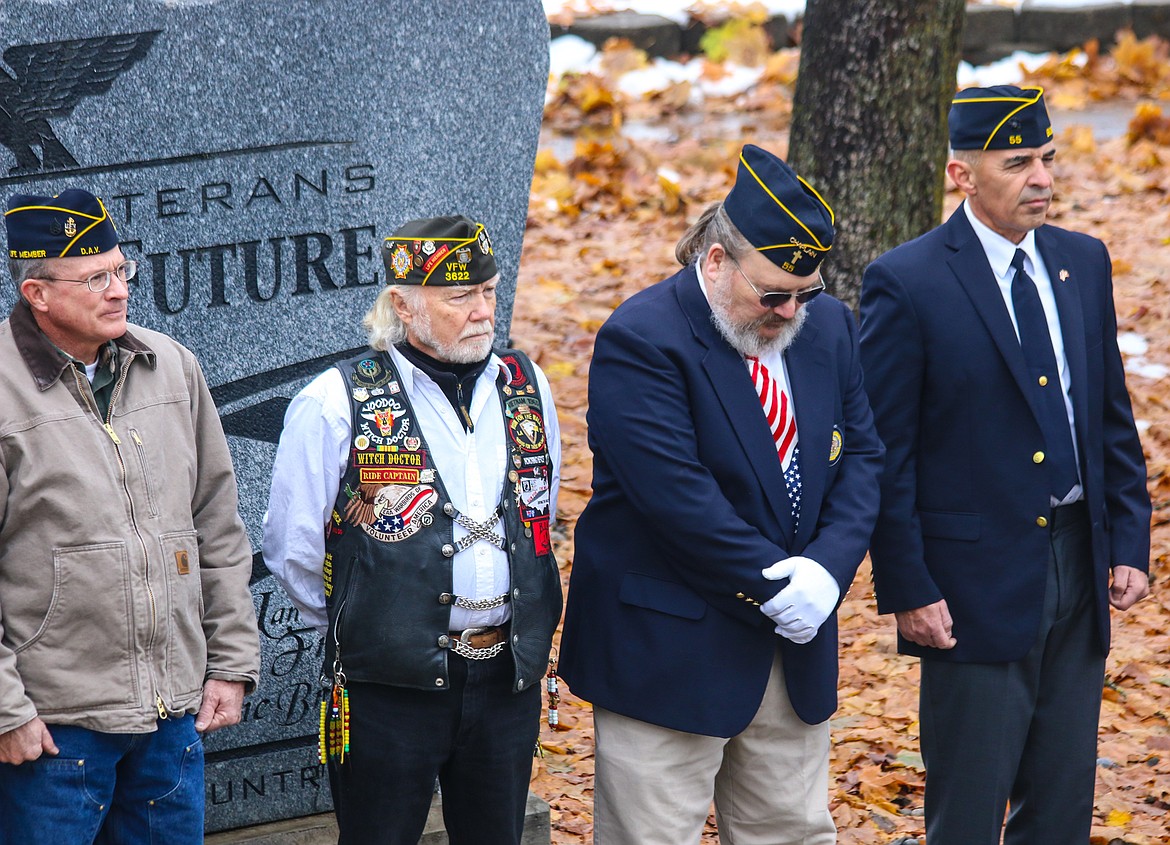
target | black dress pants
[
  {"x": 1022, "y": 734},
  {"x": 477, "y": 737}
]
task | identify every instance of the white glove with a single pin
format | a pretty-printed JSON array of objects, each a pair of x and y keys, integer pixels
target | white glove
[{"x": 802, "y": 607}]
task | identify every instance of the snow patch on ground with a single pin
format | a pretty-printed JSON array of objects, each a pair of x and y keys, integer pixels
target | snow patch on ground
[{"x": 1134, "y": 347}]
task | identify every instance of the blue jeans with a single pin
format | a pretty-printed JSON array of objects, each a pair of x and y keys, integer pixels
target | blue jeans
[{"x": 121, "y": 789}]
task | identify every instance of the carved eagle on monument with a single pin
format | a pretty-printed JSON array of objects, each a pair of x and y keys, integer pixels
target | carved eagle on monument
[{"x": 49, "y": 81}]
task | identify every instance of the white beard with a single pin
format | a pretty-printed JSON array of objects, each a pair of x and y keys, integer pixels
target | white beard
[
  {"x": 745, "y": 337},
  {"x": 471, "y": 348}
]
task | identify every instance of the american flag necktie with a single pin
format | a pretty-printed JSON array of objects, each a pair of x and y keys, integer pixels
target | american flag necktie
[{"x": 781, "y": 420}]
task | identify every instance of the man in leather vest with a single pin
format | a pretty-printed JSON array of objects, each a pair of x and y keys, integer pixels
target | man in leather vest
[{"x": 412, "y": 495}]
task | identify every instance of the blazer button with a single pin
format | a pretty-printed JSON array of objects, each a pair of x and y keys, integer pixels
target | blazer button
[
  {"x": 444, "y": 641},
  {"x": 1042, "y": 521},
  {"x": 449, "y": 509},
  {"x": 516, "y": 593},
  {"x": 519, "y": 685},
  {"x": 448, "y": 550},
  {"x": 515, "y": 639},
  {"x": 438, "y": 682},
  {"x": 1038, "y": 458},
  {"x": 1043, "y": 380},
  {"x": 740, "y": 596},
  {"x": 444, "y": 598},
  {"x": 513, "y": 476}
]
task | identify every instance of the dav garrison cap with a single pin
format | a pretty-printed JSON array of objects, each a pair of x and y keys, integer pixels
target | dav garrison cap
[
  {"x": 779, "y": 213},
  {"x": 439, "y": 251},
  {"x": 71, "y": 224},
  {"x": 1002, "y": 117}
]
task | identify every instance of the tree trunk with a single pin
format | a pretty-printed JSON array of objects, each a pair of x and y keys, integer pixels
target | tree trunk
[{"x": 869, "y": 125}]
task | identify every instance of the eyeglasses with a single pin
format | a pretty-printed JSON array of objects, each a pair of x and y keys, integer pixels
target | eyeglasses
[
  {"x": 776, "y": 298},
  {"x": 102, "y": 279}
]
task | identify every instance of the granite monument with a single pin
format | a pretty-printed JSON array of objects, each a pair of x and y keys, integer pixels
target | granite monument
[{"x": 253, "y": 153}]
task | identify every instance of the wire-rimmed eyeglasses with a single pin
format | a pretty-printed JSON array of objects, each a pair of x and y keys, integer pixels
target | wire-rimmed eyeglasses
[
  {"x": 102, "y": 279},
  {"x": 777, "y": 298}
]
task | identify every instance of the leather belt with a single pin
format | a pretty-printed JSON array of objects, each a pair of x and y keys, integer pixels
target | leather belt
[{"x": 479, "y": 643}]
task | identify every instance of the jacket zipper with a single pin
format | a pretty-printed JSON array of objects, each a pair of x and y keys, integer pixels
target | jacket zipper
[
  {"x": 147, "y": 481},
  {"x": 108, "y": 426}
]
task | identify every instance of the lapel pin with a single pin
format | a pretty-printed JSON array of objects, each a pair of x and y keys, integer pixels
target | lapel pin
[{"x": 1063, "y": 275}]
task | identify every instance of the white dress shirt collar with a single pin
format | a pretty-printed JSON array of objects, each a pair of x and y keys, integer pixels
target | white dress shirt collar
[{"x": 1000, "y": 251}]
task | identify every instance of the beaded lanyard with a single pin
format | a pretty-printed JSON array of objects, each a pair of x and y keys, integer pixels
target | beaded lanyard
[
  {"x": 333, "y": 729},
  {"x": 554, "y": 698},
  {"x": 550, "y": 684}
]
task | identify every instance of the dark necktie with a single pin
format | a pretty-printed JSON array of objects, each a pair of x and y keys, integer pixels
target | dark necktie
[{"x": 1044, "y": 377}]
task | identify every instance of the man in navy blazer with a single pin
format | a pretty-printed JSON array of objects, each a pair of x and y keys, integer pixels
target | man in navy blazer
[
  {"x": 734, "y": 493},
  {"x": 1014, "y": 486}
]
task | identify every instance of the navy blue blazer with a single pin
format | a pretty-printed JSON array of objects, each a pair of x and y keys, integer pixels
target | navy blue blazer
[
  {"x": 961, "y": 494},
  {"x": 662, "y": 620}
]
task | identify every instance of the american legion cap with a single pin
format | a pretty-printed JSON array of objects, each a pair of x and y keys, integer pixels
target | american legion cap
[
  {"x": 779, "y": 213},
  {"x": 441, "y": 251},
  {"x": 71, "y": 224},
  {"x": 1002, "y": 117}
]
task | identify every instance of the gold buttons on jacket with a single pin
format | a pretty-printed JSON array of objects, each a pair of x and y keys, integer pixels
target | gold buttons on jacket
[
  {"x": 1038, "y": 458},
  {"x": 1043, "y": 380},
  {"x": 1042, "y": 521}
]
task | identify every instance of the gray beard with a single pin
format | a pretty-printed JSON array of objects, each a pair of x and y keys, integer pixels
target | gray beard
[
  {"x": 745, "y": 338},
  {"x": 469, "y": 351}
]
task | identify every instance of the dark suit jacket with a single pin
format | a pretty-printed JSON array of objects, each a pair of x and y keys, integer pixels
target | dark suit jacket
[
  {"x": 961, "y": 494},
  {"x": 689, "y": 505}
]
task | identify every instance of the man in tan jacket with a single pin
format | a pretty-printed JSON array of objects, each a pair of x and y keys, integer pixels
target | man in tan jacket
[{"x": 126, "y": 625}]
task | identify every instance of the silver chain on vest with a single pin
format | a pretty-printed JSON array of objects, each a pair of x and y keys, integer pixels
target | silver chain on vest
[{"x": 477, "y": 531}]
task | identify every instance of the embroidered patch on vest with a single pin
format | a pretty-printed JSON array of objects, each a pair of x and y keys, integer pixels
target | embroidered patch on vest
[
  {"x": 369, "y": 374},
  {"x": 533, "y": 487},
  {"x": 383, "y": 421},
  {"x": 541, "y": 541},
  {"x": 525, "y": 425},
  {"x": 393, "y": 512}
]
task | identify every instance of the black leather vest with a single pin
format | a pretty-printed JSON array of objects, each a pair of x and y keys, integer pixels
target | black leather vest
[{"x": 388, "y": 549}]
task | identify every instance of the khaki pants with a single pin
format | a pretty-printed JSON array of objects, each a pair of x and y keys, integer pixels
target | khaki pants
[{"x": 770, "y": 783}]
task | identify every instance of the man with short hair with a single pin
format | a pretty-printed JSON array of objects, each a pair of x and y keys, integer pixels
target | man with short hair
[
  {"x": 126, "y": 625},
  {"x": 1015, "y": 487},
  {"x": 735, "y": 486},
  {"x": 412, "y": 495}
]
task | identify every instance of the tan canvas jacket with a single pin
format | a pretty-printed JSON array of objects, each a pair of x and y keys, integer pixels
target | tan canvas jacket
[{"x": 124, "y": 564}]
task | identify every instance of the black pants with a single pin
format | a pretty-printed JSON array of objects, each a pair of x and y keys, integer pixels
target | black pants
[
  {"x": 1023, "y": 733},
  {"x": 477, "y": 737}
]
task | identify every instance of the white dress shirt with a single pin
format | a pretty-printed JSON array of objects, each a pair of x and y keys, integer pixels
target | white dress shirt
[
  {"x": 1000, "y": 252},
  {"x": 313, "y": 454}
]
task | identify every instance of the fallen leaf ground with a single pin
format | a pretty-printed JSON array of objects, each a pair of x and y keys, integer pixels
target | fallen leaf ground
[{"x": 617, "y": 181}]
